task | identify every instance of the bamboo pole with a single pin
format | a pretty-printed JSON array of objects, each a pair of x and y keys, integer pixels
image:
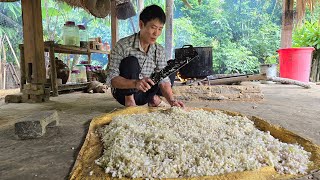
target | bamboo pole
[
  {"x": 0, "y": 62},
  {"x": 14, "y": 54},
  {"x": 140, "y": 8},
  {"x": 169, "y": 29},
  {"x": 4, "y": 67}
]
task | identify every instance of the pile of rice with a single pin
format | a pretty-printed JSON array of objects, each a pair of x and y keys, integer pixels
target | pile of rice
[{"x": 177, "y": 143}]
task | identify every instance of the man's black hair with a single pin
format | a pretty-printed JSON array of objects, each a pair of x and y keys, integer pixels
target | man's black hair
[{"x": 152, "y": 12}]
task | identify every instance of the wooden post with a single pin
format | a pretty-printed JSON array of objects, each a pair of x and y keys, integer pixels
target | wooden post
[
  {"x": 287, "y": 23},
  {"x": 22, "y": 68},
  {"x": 169, "y": 17},
  {"x": 53, "y": 70},
  {"x": 140, "y": 8},
  {"x": 114, "y": 24},
  {"x": 33, "y": 41}
]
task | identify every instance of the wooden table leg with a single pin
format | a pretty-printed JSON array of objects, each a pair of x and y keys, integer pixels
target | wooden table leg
[
  {"x": 89, "y": 58},
  {"x": 53, "y": 71},
  {"x": 23, "y": 80}
]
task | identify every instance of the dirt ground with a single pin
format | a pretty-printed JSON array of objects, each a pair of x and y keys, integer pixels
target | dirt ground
[{"x": 53, "y": 156}]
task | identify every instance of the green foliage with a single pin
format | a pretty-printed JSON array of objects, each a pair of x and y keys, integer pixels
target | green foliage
[
  {"x": 183, "y": 26},
  {"x": 234, "y": 58},
  {"x": 11, "y": 26},
  {"x": 307, "y": 36},
  {"x": 264, "y": 43},
  {"x": 247, "y": 32}
]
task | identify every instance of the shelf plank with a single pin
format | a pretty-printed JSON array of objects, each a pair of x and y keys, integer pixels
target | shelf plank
[
  {"x": 77, "y": 86},
  {"x": 60, "y": 48}
]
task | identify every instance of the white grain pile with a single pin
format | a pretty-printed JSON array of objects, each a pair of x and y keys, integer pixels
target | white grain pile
[{"x": 177, "y": 143}]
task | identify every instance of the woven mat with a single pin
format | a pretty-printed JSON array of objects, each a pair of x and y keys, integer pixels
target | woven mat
[{"x": 85, "y": 168}]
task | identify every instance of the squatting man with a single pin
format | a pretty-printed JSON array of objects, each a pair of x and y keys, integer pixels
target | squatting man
[{"x": 135, "y": 58}]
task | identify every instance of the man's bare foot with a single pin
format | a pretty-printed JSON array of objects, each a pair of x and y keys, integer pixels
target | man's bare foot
[
  {"x": 129, "y": 101},
  {"x": 156, "y": 100}
]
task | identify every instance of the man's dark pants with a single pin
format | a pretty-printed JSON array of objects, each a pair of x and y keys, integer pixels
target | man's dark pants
[{"x": 130, "y": 69}]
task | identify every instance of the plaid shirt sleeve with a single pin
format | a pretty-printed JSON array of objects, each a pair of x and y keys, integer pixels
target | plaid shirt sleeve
[
  {"x": 162, "y": 62},
  {"x": 117, "y": 54}
]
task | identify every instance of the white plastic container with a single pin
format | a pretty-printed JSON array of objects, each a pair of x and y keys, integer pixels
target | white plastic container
[{"x": 270, "y": 70}]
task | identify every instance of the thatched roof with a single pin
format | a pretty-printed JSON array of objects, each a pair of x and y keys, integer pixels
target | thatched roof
[{"x": 101, "y": 8}]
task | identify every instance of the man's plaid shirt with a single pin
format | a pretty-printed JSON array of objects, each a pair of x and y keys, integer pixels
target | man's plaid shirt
[{"x": 130, "y": 46}]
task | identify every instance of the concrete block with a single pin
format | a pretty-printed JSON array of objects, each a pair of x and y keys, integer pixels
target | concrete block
[
  {"x": 13, "y": 98},
  {"x": 31, "y": 98},
  {"x": 34, "y": 126},
  {"x": 33, "y": 92},
  {"x": 27, "y": 86}
]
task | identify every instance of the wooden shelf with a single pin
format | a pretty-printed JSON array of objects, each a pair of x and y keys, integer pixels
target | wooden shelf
[
  {"x": 65, "y": 87},
  {"x": 52, "y": 48},
  {"x": 59, "y": 48}
]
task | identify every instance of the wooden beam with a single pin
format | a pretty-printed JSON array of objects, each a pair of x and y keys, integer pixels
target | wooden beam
[
  {"x": 33, "y": 41},
  {"x": 169, "y": 27},
  {"x": 287, "y": 23},
  {"x": 114, "y": 24}
]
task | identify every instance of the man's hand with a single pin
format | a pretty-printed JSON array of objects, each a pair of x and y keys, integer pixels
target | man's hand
[
  {"x": 144, "y": 84},
  {"x": 176, "y": 103}
]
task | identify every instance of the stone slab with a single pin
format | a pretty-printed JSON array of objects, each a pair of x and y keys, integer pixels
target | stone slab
[
  {"x": 13, "y": 98},
  {"x": 34, "y": 126}
]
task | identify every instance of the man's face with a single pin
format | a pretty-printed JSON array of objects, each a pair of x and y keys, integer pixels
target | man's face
[{"x": 150, "y": 31}]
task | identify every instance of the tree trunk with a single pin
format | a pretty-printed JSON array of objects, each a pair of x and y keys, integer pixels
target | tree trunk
[
  {"x": 168, "y": 41},
  {"x": 287, "y": 24}
]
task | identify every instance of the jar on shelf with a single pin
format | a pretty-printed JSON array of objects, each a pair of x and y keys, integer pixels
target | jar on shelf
[
  {"x": 82, "y": 77},
  {"x": 71, "y": 34},
  {"x": 74, "y": 76},
  {"x": 83, "y": 36}
]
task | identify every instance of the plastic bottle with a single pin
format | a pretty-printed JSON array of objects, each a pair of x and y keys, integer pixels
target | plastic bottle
[
  {"x": 83, "y": 36},
  {"x": 70, "y": 34}
]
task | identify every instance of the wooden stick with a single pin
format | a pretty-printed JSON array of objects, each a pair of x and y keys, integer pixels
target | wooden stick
[
  {"x": 14, "y": 54},
  {"x": 289, "y": 81},
  {"x": 228, "y": 80}
]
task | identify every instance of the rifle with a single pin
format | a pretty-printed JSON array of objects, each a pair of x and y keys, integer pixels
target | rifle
[{"x": 189, "y": 55}]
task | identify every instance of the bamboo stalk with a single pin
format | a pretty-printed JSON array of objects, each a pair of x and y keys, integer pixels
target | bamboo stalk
[
  {"x": 4, "y": 67},
  {"x": 14, "y": 54},
  {"x": 0, "y": 62}
]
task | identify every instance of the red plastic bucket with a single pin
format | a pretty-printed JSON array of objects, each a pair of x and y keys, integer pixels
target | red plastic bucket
[{"x": 295, "y": 63}]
